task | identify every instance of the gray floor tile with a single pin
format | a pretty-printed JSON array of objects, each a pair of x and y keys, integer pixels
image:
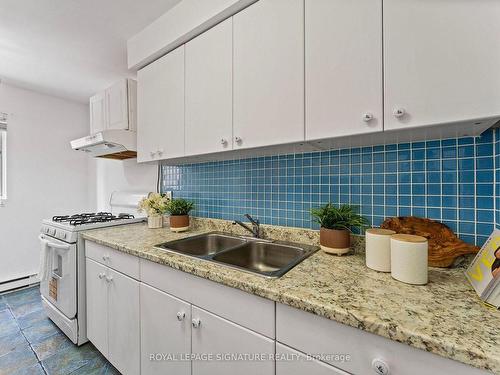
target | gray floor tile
[
  {"x": 12, "y": 342},
  {"x": 8, "y": 325},
  {"x": 26, "y": 308},
  {"x": 70, "y": 359},
  {"x": 31, "y": 370},
  {"x": 17, "y": 360},
  {"x": 3, "y": 305},
  {"x": 97, "y": 366},
  {"x": 22, "y": 297},
  {"x": 51, "y": 345},
  {"x": 31, "y": 318},
  {"x": 40, "y": 331}
]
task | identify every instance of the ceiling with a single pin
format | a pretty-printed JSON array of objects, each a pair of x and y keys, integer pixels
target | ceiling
[{"x": 70, "y": 48}]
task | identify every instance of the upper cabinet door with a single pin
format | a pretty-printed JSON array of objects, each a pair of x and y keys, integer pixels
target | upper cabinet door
[
  {"x": 97, "y": 105},
  {"x": 160, "y": 108},
  {"x": 117, "y": 105},
  {"x": 343, "y": 65},
  {"x": 269, "y": 73},
  {"x": 209, "y": 121},
  {"x": 441, "y": 61}
]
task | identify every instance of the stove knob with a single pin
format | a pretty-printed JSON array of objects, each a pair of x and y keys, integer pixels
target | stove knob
[
  {"x": 46, "y": 230},
  {"x": 53, "y": 232},
  {"x": 63, "y": 235}
]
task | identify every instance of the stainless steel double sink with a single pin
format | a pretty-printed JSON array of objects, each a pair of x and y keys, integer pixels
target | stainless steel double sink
[{"x": 259, "y": 256}]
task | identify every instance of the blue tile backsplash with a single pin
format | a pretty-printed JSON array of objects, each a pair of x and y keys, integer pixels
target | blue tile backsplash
[{"x": 450, "y": 180}]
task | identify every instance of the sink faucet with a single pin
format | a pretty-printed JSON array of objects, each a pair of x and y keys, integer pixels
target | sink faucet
[{"x": 255, "y": 229}]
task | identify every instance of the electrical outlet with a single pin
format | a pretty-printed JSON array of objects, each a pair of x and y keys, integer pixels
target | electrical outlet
[{"x": 168, "y": 194}]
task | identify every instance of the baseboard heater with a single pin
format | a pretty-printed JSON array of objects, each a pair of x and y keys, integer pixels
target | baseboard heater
[{"x": 20, "y": 282}]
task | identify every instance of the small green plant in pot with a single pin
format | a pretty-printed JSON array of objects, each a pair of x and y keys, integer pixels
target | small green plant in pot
[
  {"x": 179, "y": 214},
  {"x": 335, "y": 226}
]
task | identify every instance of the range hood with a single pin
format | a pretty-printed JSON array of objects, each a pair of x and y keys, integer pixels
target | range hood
[{"x": 110, "y": 144}]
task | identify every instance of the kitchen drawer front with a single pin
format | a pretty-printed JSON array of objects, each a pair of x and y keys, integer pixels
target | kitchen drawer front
[
  {"x": 167, "y": 279},
  {"x": 314, "y": 335},
  {"x": 250, "y": 311},
  {"x": 124, "y": 263},
  {"x": 292, "y": 362}
]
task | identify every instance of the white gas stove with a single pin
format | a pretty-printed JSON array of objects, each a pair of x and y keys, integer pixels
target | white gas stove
[{"x": 63, "y": 292}]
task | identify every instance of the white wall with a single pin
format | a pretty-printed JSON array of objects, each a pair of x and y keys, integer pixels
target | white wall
[
  {"x": 45, "y": 176},
  {"x": 107, "y": 176}
]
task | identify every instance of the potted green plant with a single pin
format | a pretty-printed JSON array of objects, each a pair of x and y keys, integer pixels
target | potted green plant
[
  {"x": 335, "y": 226},
  {"x": 155, "y": 206},
  {"x": 179, "y": 214}
]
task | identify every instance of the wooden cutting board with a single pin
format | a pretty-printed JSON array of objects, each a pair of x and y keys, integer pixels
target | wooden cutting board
[{"x": 444, "y": 245}]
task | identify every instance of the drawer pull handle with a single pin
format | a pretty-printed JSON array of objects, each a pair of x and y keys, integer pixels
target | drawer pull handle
[
  {"x": 101, "y": 275},
  {"x": 105, "y": 257},
  {"x": 180, "y": 316},
  {"x": 380, "y": 367},
  {"x": 109, "y": 278},
  {"x": 196, "y": 323}
]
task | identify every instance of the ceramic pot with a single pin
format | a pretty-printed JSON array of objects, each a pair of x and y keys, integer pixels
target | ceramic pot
[
  {"x": 334, "y": 241},
  {"x": 179, "y": 223},
  {"x": 155, "y": 222}
]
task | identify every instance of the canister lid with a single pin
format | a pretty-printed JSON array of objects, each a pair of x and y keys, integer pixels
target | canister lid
[
  {"x": 408, "y": 238},
  {"x": 380, "y": 231}
]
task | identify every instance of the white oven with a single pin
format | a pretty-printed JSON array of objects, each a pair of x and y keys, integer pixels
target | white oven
[{"x": 60, "y": 288}]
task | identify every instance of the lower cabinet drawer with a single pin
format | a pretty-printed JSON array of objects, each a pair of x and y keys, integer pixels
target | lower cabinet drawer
[
  {"x": 292, "y": 362},
  {"x": 117, "y": 260},
  {"x": 316, "y": 335}
]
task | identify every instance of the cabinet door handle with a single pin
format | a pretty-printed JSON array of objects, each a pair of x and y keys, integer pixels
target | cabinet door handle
[
  {"x": 180, "y": 316},
  {"x": 399, "y": 112},
  {"x": 380, "y": 367},
  {"x": 223, "y": 141},
  {"x": 196, "y": 322},
  {"x": 238, "y": 140},
  {"x": 160, "y": 152},
  {"x": 105, "y": 257},
  {"x": 101, "y": 275},
  {"x": 367, "y": 117},
  {"x": 152, "y": 153},
  {"x": 109, "y": 278}
]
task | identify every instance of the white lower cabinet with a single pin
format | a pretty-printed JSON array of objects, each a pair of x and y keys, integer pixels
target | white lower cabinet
[
  {"x": 292, "y": 362},
  {"x": 165, "y": 333},
  {"x": 123, "y": 324},
  {"x": 113, "y": 316},
  {"x": 222, "y": 339},
  {"x": 97, "y": 305}
]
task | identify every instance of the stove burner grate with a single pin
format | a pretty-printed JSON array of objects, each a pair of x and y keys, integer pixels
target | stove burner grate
[{"x": 90, "y": 218}]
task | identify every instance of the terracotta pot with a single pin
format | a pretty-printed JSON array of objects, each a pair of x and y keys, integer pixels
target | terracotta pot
[
  {"x": 179, "y": 223},
  {"x": 334, "y": 241},
  {"x": 155, "y": 222}
]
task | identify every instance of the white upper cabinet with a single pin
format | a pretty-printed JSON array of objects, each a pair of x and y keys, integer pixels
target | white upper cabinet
[
  {"x": 343, "y": 67},
  {"x": 441, "y": 61},
  {"x": 114, "y": 108},
  {"x": 97, "y": 113},
  {"x": 268, "y": 101},
  {"x": 209, "y": 92},
  {"x": 160, "y": 108}
]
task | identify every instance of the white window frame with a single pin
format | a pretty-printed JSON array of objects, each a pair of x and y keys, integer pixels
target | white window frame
[{"x": 3, "y": 160}]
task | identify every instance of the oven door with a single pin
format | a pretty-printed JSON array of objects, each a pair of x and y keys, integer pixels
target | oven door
[{"x": 60, "y": 288}]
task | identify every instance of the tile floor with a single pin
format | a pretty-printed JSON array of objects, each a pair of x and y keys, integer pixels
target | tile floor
[{"x": 30, "y": 344}]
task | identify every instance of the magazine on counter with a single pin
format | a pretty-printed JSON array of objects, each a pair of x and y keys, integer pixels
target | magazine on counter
[{"x": 484, "y": 271}]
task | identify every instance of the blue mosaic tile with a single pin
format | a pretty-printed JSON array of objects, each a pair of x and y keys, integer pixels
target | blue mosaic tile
[{"x": 449, "y": 179}]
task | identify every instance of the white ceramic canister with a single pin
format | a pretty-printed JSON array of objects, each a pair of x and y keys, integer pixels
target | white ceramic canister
[
  {"x": 409, "y": 258},
  {"x": 378, "y": 249}
]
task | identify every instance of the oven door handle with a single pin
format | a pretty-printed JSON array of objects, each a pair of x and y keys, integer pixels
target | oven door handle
[{"x": 54, "y": 245}]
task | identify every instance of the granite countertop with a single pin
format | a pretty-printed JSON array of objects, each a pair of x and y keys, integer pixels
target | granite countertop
[{"x": 444, "y": 317}]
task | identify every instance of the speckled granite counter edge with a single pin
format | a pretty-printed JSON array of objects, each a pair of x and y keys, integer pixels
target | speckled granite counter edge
[{"x": 468, "y": 355}]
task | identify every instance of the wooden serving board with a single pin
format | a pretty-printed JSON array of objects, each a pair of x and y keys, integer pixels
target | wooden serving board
[{"x": 444, "y": 245}]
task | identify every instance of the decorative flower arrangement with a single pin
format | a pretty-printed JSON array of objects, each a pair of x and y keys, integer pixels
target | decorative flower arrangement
[{"x": 155, "y": 205}]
